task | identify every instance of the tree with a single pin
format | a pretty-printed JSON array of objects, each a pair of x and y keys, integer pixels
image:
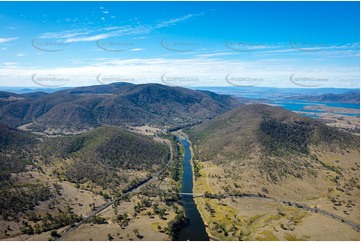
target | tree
[
  {"x": 162, "y": 213},
  {"x": 54, "y": 234},
  {"x": 110, "y": 237},
  {"x": 155, "y": 208},
  {"x": 177, "y": 223}
]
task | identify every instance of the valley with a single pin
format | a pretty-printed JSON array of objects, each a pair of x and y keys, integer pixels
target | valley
[
  {"x": 258, "y": 172},
  {"x": 180, "y": 120}
]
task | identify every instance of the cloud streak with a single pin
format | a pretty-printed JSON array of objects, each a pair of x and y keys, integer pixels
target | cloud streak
[
  {"x": 6, "y": 40},
  {"x": 82, "y": 35},
  {"x": 207, "y": 71}
]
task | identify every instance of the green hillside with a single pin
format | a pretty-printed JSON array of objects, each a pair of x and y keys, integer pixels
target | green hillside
[{"x": 103, "y": 155}]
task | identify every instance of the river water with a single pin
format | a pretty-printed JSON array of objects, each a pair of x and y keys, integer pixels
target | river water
[{"x": 195, "y": 229}]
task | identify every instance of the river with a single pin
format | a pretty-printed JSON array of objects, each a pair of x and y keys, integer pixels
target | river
[{"x": 195, "y": 229}]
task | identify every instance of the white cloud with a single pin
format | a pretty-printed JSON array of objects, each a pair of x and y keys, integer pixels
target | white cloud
[
  {"x": 166, "y": 23},
  {"x": 65, "y": 34},
  {"x": 215, "y": 54},
  {"x": 207, "y": 71},
  {"x": 5, "y": 40},
  {"x": 9, "y": 64},
  {"x": 136, "y": 49},
  {"x": 81, "y": 35},
  {"x": 87, "y": 39}
]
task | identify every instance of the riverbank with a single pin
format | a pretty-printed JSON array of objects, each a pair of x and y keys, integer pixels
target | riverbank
[
  {"x": 258, "y": 219},
  {"x": 196, "y": 229},
  {"x": 199, "y": 201}
]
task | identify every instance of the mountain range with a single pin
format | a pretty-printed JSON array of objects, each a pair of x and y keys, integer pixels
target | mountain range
[
  {"x": 118, "y": 104},
  {"x": 348, "y": 97}
]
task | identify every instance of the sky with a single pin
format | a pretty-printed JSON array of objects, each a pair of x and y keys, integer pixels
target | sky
[{"x": 273, "y": 44}]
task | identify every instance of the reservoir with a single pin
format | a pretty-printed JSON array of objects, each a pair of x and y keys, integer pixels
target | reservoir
[{"x": 195, "y": 229}]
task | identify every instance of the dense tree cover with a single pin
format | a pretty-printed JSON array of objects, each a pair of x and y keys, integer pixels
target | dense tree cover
[
  {"x": 84, "y": 108},
  {"x": 330, "y": 135},
  {"x": 49, "y": 222},
  {"x": 104, "y": 154},
  {"x": 110, "y": 147},
  {"x": 17, "y": 150},
  {"x": 131, "y": 152},
  {"x": 176, "y": 169},
  {"x": 282, "y": 137},
  {"x": 14, "y": 139},
  {"x": 22, "y": 199},
  {"x": 278, "y": 136},
  {"x": 276, "y": 142},
  {"x": 97, "y": 220},
  {"x": 275, "y": 130}
]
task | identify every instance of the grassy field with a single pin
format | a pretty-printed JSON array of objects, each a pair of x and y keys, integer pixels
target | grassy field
[{"x": 252, "y": 219}]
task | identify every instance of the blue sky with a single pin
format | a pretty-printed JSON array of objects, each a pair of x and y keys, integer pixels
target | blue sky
[{"x": 278, "y": 44}]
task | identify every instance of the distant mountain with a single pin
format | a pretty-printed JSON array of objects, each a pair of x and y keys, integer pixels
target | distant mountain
[
  {"x": 274, "y": 141},
  {"x": 23, "y": 90},
  {"x": 117, "y": 104},
  {"x": 8, "y": 96},
  {"x": 272, "y": 93},
  {"x": 348, "y": 97}
]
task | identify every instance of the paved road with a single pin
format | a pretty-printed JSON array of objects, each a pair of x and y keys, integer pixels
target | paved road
[
  {"x": 99, "y": 209},
  {"x": 304, "y": 207},
  {"x": 298, "y": 205},
  {"x": 289, "y": 203},
  {"x": 253, "y": 196}
]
